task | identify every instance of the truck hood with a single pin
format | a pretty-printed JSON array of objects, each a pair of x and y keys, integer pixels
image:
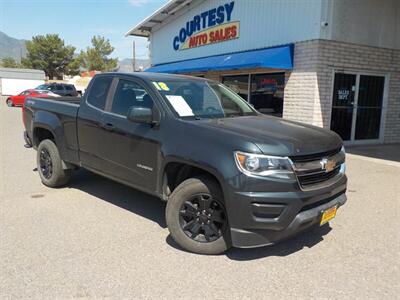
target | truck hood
[{"x": 276, "y": 136}]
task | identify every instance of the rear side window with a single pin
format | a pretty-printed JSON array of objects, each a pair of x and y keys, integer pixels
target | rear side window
[
  {"x": 59, "y": 87},
  {"x": 68, "y": 87},
  {"x": 98, "y": 92}
]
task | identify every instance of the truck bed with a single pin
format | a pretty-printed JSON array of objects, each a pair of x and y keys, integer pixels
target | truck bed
[
  {"x": 73, "y": 100},
  {"x": 61, "y": 113}
]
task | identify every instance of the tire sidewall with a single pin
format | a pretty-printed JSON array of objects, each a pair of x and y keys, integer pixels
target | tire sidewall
[
  {"x": 182, "y": 193},
  {"x": 58, "y": 176},
  {"x": 9, "y": 102}
]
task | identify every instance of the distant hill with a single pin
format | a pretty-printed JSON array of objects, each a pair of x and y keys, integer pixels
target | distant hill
[
  {"x": 11, "y": 47},
  {"x": 126, "y": 65}
]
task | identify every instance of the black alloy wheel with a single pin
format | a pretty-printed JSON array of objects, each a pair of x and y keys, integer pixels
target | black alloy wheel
[
  {"x": 46, "y": 165},
  {"x": 202, "y": 218}
]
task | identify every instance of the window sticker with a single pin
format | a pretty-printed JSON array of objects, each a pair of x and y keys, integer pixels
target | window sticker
[
  {"x": 157, "y": 86},
  {"x": 180, "y": 105},
  {"x": 163, "y": 86}
]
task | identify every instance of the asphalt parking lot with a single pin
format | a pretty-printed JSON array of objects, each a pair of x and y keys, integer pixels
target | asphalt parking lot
[{"x": 99, "y": 239}]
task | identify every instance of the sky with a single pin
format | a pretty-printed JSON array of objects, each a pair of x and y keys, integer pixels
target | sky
[{"x": 76, "y": 22}]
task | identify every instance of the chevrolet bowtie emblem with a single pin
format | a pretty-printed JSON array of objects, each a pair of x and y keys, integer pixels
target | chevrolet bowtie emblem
[{"x": 327, "y": 165}]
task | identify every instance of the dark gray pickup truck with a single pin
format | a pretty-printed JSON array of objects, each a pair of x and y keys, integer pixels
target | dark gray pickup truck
[{"x": 230, "y": 175}]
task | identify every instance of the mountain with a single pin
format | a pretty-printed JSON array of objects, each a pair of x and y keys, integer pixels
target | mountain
[
  {"x": 11, "y": 47},
  {"x": 126, "y": 65}
]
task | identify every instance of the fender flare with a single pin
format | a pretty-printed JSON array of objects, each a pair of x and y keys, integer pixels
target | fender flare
[{"x": 207, "y": 168}]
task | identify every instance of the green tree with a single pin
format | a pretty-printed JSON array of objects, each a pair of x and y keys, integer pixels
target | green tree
[
  {"x": 50, "y": 54},
  {"x": 96, "y": 58},
  {"x": 9, "y": 62},
  {"x": 74, "y": 67}
]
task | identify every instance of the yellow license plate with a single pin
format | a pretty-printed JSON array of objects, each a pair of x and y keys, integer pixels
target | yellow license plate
[{"x": 328, "y": 215}]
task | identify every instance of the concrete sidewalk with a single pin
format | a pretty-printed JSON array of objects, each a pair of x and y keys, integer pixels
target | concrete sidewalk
[{"x": 387, "y": 154}]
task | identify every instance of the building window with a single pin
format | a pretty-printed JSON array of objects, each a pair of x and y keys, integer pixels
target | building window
[
  {"x": 267, "y": 93},
  {"x": 239, "y": 84}
]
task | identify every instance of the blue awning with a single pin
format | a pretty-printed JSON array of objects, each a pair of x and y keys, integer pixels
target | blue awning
[{"x": 275, "y": 58}]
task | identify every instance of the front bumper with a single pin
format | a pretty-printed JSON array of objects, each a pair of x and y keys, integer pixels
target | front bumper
[{"x": 263, "y": 218}]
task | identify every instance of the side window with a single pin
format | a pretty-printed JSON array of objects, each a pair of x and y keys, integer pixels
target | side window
[
  {"x": 98, "y": 92},
  {"x": 59, "y": 87},
  {"x": 129, "y": 94},
  {"x": 68, "y": 87}
]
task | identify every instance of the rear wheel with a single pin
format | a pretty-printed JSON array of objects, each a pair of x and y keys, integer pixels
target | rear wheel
[
  {"x": 196, "y": 217},
  {"x": 49, "y": 165},
  {"x": 9, "y": 102}
]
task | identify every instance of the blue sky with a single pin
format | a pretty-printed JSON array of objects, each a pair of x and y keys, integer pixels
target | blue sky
[{"x": 77, "y": 21}]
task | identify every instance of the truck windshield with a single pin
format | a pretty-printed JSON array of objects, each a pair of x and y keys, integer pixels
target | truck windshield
[{"x": 202, "y": 99}]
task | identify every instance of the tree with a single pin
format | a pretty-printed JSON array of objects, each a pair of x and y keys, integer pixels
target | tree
[
  {"x": 50, "y": 54},
  {"x": 74, "y": 67},
  {"x": 96, "y": 58},
  {"x": 9, "y": 62}
]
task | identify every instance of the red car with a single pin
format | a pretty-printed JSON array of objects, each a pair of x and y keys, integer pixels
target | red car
[{"x": 19, "y": 100}]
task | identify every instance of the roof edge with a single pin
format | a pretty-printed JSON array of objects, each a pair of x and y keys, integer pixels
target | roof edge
[{"x": 168, "y": 9}]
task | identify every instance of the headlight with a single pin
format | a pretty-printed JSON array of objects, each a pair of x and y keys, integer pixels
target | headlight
[{"x": 262, "y": 165}]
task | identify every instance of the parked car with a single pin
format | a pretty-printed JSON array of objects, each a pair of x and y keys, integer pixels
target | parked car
[
  {"x": 62, "y": 89},
  {"x": 19, "y": 100},
  {"x": 231, "y": 176}
]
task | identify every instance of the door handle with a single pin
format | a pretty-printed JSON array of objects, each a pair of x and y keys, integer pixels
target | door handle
[{"x": 108, "y": 126}]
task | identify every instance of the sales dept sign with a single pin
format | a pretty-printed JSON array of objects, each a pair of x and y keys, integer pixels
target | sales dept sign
[{"x": 209, "y": 27}]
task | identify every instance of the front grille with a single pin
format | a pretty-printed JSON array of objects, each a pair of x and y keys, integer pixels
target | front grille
[
  {"x": 315, "y": 178},
  {"x": 312, "y": 171}
]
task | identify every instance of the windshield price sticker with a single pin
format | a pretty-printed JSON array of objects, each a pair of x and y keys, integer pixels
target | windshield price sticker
[
  {"x": 161, "y": 86},
  {"x": 180, "y": 105}
]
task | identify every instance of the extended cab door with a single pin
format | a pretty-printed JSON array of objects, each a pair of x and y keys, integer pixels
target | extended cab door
[
  {"x": 90, "y": 122},
  {"x": 131, "y": 150}
]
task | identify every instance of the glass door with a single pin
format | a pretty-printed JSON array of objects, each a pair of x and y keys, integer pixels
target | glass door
[
  {"x": 343, "y": 104},
  {"x": 369, "y": 107},
  {"x": 357, "y": 106}
]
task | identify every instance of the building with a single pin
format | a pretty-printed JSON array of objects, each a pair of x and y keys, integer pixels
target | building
[
  {"x": 331, "y": 63},
  {"x": 14, "y": 81}
]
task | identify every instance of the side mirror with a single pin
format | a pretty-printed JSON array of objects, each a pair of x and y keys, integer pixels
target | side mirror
[{"x": 140, "y": 114}]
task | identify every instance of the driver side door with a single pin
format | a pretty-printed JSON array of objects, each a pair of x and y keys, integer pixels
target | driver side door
[{"x": 131, "y": 150}]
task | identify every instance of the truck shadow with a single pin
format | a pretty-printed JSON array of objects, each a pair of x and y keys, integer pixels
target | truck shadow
[
  {"x": 153, "y": 209},
  {"x": 307, "y": 239},
  {"x": 132, "y": 200}
]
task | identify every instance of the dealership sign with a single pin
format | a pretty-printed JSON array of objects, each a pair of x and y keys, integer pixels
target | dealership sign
[{"x": 212, "y": 26}]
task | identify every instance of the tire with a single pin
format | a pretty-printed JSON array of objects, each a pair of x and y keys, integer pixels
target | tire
[
  {"x": 183, "y": 220},
  {"x": 9, "y": 103},
  {"x": 49, "y": 165}
]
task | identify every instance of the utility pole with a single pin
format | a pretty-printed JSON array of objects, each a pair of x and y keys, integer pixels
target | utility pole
[{"x": 133, "y": 57}]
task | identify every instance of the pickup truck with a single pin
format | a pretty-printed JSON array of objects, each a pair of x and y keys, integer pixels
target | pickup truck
[{"x": 230, "y": 175}]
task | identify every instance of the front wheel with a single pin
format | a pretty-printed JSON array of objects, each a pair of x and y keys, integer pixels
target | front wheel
[
  {"x": 9, "y": 103},
  {"x": 49, "y": 165},
  {"x": 196, "y": 217}
]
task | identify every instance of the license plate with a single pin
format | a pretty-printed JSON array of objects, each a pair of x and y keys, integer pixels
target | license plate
[{"x": 328, "y": 215}]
